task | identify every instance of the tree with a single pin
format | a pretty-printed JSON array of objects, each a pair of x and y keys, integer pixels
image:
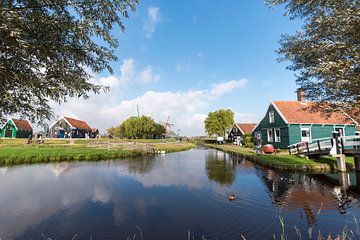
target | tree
[
  {"x": 326, "y": 52},
  {"x": 219, "y": 122},
  {"x": 138, "y": 127},
  {"x": 46, "y": 47}
]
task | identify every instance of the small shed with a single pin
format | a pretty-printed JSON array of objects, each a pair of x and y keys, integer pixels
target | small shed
[{"x": 16, "y": 128}]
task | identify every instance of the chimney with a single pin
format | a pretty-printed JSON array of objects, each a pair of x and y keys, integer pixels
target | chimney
[{"x": 300, "y": 95}]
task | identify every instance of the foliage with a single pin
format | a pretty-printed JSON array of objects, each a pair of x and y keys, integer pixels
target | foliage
[
  {"x": 47, "y": 49},
  {"x": 248, "y": 140},
  {"x": 219, "y": 122},
  {"x": 325, "y": 54},
  {"x": 138, "y": 127}
]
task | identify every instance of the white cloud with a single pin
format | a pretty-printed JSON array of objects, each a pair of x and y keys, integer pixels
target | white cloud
[
  {"x": 187, "y": 109},
  {"x": 220, "y": 89},
  {"x": 152, "y": 20},
  {"x": 147, "y": 75},
  {"x": 127, "y": 70}
]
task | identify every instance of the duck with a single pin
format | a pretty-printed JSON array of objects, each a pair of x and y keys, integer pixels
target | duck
[{"x": 231, "y": 197}]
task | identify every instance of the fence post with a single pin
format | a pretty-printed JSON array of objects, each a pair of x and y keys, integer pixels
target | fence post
[
  {"x": 319, "y": 146},
  {"x": 307, "y": 148},
  {"x": 297, "y": 148},
  {"x": 289, "y": 150}
]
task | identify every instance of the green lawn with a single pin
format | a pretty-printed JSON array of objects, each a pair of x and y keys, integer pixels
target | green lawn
[
  {"x": 17, "y": 151},
  {"x": 17, "y": 155}
]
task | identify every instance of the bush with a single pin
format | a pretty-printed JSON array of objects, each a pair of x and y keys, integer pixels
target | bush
[{"x": 247, "y": 141}]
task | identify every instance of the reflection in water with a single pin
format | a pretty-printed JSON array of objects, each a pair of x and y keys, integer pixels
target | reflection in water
[
  {"x": 141, "y": 166},
  {"x": 167, "y": 196},
  {"x": 220, "y": 168}
]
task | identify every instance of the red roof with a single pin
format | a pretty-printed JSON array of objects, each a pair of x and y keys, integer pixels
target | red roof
[
  {"x": 78, "y": 123},
  {"x": 300, "y": 112},
  {"x": 246, "y": 128},
  {"x": 22, "y": 124}
]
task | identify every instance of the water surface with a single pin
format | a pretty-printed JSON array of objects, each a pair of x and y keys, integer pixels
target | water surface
[{"x": 168, "y": 196}]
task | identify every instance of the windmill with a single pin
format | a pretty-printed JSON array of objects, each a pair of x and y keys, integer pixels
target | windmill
[{"x": 167, "y": 125}]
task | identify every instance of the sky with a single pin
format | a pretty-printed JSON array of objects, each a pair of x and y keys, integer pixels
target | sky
[{"x": 186, "y": 58}]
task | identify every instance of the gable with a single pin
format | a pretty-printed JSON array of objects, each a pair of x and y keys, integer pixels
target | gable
[
  {"x": 265, "y": 122},
  {"x": 245, "y": 128}
]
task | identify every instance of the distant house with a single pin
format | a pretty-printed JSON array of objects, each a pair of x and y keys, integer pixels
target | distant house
[
  {"x": 290, "y": 122},
  {"x": 94, "y": 133},
  {"x": 16, "y": 128},
  {"x": 66, "y": 127},
  {"x": 240, "y": 129}
]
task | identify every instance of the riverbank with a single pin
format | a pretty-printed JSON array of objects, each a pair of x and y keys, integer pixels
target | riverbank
[
  {"x": 15, "y": 151},
  {"x": 284, "y": 161}
]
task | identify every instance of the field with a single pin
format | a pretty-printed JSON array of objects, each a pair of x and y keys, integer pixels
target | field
[{"x": 17, "y": 151}]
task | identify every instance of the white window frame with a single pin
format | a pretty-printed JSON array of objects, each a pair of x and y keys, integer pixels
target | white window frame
[
  {"x": 277, "y": 138},
  {"x": 271, "y": 117},
  {"x": 270, "y": 138},
  {"x": 310, "y": 134}
]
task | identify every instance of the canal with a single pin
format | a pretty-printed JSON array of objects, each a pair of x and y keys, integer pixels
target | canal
[{"x": 172, "y": 196}]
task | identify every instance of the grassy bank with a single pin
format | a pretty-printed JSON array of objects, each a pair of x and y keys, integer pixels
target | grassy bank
[
  {"x": 18, "y": 155},
  {"x": 16, "y": 151},
  {"x": 284, "y": 162}
]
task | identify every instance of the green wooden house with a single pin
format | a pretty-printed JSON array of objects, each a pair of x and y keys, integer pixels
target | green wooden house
[
  {"x": 16, "y": 128},
  {"x": 290, "y": 122}
]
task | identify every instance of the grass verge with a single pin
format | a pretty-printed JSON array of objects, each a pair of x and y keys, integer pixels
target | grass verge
[{"x": 284, "y": 162}]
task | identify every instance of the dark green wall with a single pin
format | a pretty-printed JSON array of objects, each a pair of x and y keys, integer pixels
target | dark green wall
[
  {"x": 291, "y": 133},
  {"x": 278, "y": 123}
]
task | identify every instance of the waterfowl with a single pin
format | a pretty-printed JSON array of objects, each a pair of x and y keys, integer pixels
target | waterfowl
[{"x": 232, "y": 197}]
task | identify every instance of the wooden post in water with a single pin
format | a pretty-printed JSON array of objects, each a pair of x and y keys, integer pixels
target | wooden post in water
[
  {"x": 343, "y": 180},
  {"x": 340, "y": 158}
]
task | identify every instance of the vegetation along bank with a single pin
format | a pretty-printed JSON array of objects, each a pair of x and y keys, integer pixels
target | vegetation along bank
[{"x": 284, "y": 161}]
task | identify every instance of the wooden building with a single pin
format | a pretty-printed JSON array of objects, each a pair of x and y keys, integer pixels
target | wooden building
[
  {"x": 239, "y": 130},
  {"x": 290, "y": 122},
  {"x": 66, "y": 127},
  {"x": 16, "y": 128}
]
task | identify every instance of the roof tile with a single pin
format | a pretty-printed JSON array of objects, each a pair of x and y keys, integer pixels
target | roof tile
[
  {"x": 246, "y": 128},
  {"x": 22, "y": 124},
  {"x": 78, "y": 123},
  {"x": 300, "y": 112}
]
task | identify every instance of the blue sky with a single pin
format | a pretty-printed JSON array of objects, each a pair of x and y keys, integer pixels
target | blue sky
[{"x": 186, "y": 58}]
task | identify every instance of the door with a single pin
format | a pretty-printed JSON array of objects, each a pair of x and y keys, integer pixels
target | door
[
  {"x": 305, "y": 134},
  {"x": 8, "y": 133},
  {"x": 61, "y": 133}
]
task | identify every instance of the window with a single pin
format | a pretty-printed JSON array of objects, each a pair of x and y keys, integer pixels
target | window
[
  {"x": 271, "y": 117},
  {"x": 305, "y": 134},
  {"x": 277, "y": 135},
  {"x": 270, "y": 135}
]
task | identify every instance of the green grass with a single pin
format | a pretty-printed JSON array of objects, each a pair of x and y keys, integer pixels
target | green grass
[
  {"x": 17, "y": 155},
  {"x": 17, "y": 151},
  {"x": 284, "y": 162}
]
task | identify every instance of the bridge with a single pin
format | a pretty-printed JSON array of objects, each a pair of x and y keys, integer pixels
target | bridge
[{"x": 337, "y": 146}]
